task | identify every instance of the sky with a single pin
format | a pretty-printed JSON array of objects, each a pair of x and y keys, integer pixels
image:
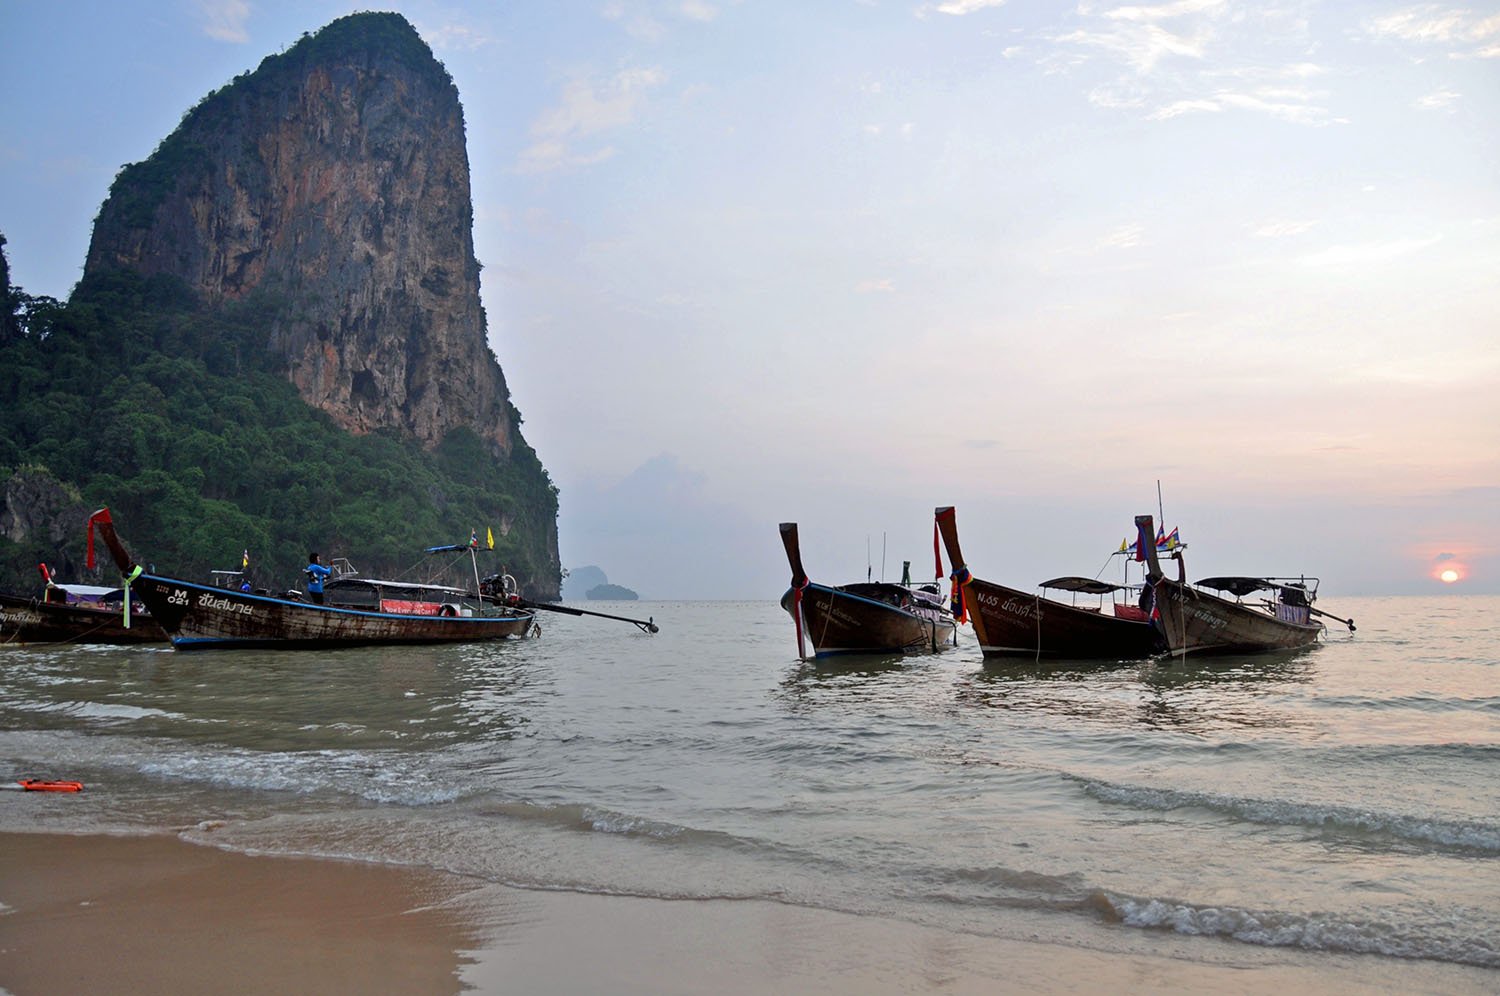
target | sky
[{"x": 842, "y": 262}]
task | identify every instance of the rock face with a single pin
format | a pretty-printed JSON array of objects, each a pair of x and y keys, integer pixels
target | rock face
[
  {"x": 40, "y": 512},
  {"x": 329, "y": 190}
]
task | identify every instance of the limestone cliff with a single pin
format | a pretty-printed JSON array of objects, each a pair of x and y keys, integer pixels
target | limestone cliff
[{"x": 329, "y": 189}]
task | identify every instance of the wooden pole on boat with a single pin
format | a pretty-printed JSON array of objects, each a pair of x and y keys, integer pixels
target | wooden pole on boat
[
  {"x": 646, "y": 625},
  {"x": 799, "y": 580},
  {"x": 1330, "y": 615}
]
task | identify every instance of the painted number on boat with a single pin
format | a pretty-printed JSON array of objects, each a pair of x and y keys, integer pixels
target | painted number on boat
[{"x": 177, "y": 597}]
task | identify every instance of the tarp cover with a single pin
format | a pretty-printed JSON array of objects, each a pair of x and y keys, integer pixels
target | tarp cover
[
  {"x": 1237, "y": 586},
  {"x": 1087, "y": 586}
]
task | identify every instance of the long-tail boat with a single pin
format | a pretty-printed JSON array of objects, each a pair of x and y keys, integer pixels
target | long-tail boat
[
  {"x": 1014, "y": 623},
  {"x": 1194, "y": 621},
  {"x": 196, "y": 616},
  {"x": 75, "y": 613},
  {"x": 870, "y": 617}
]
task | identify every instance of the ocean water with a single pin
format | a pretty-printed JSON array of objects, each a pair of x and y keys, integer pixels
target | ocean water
[{"x": 1343, "y": 799}]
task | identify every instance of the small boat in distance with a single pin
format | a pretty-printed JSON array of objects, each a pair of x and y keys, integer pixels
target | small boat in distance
[
  {"x": 870, "y": 617},
  {"x": 75, "y": 613},
  {"x": 1193, "y": 621},
  {"x": 1014, "y": 623}
]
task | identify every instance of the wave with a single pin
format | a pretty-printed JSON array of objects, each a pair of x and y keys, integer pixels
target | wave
[
  {"x": 385, "y": 778},
  {"x": 106, "y": 712},
  {"x": 1313, "y": 931},
  {"x": 1419, "y": 703},
  {"x": 1470, "y": 836}
]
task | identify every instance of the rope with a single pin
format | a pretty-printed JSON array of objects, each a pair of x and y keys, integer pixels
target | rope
[{"x": 1038, "y": 658}]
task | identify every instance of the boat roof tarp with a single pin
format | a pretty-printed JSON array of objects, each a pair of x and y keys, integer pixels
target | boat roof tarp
[
  {"x": 380, "y": 584},
  {"x": 451, "y": 548},
  {"x": 1087, "y": 586},
  {"x": 1236, "y": 585}
]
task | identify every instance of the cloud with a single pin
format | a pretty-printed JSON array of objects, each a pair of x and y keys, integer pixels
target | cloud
[
  {"x": 957, "y": 8},
  {"x": 1141, "y": 47},
  {"x": 452, "y": 37},
  {"x": 225, "y": 20},
  {"x": 697, "y": 10},
  {"x": 1428, "y": 24},
  {"x": 1280, "y": 229},
  {"x": 1370, "y": 253},
  {"x": 1126, "y": 237},
  {"x": 1196, "y": 57},
  {"x": 586, "y": 108},
  {"x": 875, "y": 287},
  {"x": 1442, "y": 100},
  {"x": 1420, "y": 24},
  {"x": 659, "y": 531}
]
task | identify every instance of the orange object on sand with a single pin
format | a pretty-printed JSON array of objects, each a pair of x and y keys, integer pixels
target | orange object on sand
[{"x": 39, "y": 785}]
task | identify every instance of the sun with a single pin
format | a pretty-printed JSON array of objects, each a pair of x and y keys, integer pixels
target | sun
[{"x": 1449, "y": 576}]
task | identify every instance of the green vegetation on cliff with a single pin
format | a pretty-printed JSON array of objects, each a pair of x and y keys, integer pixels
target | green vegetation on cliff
[{"x": 182, "y": 422}]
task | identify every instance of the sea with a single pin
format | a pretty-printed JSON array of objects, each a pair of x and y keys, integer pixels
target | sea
[{"x": 1342, "y": 800}]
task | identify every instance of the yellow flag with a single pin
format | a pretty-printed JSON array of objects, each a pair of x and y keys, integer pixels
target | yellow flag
[
  {"x": 1122, "y": 546},
  {"x": 490, "y": 533}
]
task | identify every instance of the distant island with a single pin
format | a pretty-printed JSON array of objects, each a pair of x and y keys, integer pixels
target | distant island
[
  {"x": 590, "y": 582},
  {"x": 611, "y": 593}
]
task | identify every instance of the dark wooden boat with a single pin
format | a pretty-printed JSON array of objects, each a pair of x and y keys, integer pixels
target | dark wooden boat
[
  {"x": 872, "y": 617},
  {"x": 1014, "y": 623},
  {"x": 197, "y": 616},
  {"x": 68, "y": 613},
  {"x": 1194, "y": 621}
]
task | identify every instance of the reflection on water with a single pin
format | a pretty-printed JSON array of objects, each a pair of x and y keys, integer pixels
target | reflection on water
[
  {"x": 1201, "y": 695},
  {"x": 413, "y": 698}
]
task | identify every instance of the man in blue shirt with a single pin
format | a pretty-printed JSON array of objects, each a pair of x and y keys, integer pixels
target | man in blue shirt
[{"x": 316, "y": 572}]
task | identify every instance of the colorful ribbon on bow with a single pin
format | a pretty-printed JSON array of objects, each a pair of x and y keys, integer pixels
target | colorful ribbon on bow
[{"x": 129, "y": 578}]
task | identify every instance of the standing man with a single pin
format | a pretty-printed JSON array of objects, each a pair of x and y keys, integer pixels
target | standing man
[{"x": 316, "y": 572}]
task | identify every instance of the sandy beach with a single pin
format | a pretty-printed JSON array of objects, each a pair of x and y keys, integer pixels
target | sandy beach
[{"x": 155, "y": 914}]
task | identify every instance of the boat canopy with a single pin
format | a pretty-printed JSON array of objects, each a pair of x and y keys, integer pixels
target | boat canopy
[
  {"x": 1087, "y": 586},
  {"x": 1239, "y": 587},
  {"x": 89, "y": 593},
  {"x": 451, "y": 548},
  {"x": 393, "y": 586}
]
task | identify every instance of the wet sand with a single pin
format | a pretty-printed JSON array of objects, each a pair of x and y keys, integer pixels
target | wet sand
[{"x": 155, "y": 914}]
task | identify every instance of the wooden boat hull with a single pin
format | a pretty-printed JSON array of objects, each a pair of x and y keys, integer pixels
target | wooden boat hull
[
  {"x": 840, "y": 622},
  {"x": 1013, "y": 623},
  {"x": 1196, "y": 622},
  {"x": 32, "y": 620},
  {"x": 199, "y": 616}
]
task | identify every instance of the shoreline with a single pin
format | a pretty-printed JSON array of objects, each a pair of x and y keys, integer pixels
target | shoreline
[{"x": 159, "y": 914}]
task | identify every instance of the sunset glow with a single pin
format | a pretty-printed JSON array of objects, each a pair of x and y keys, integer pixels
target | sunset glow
[{"x": 1449, "y": 576}]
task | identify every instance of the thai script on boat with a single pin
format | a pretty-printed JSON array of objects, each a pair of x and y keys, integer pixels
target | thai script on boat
[
  {"x": 830, "y": 608},
  {"x": 1209, "y": 619},
  {"x": 1021, "y": 608},
  {"x": 21, "y": 617},
  {"x": 208, "y": 601}
]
